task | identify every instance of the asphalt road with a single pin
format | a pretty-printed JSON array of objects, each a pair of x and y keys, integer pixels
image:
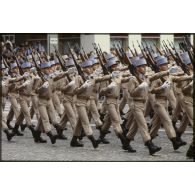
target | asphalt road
[{"x": 24, "y": 148}]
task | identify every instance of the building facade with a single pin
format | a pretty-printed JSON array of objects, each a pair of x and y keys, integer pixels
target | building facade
[{"x": 106, "y": 41}]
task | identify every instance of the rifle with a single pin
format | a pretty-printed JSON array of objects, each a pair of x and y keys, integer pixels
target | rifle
[
  {"x": 85, "y": 55},
  {"x": 61, "y": 60},
  {"x": 80, "y": 72},
  {"x": 104, "y": 69},
  {"x": 136, "y": 53},
  {"x": 104, "y": 59},
  {"x": 178, "y": 59},
  {"x": 37, "y": 67},
  {"x": 131, "y": 51},
  {"x": 17, "y": 62},
  {"x": 158, "y": 49}
]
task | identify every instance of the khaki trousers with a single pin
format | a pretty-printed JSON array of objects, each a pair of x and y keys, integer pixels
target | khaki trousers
[
  {"x": 162, "y": 117},
  {"x": 139, "y": 122},
  {"x": 47, "y": 111}
]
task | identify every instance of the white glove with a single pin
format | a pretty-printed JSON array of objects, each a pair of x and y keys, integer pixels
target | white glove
[
  {"x": 33, "y": 69},
  {"x": 3, "y": 83},
  {"x": 191, "y": 83},
  {"x": 26, "y": 74},
  {"x": 166, "y": 85},
  {"x": 72, "y": 83},
  {"x": 45, "y": 85},
  {"x": 87, "y": 84},
  {"x": 26, "y": 83},
  {"x": 173, "y": 69},
  {"x": 143, "y": 85},
  {"x": 115, "y": 74},
  {"x": 71, "y": 70},
  {"x": 112, "y": 85},
  {"x": 37, "y": 77}
]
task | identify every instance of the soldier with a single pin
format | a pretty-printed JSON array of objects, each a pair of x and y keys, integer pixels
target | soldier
[
  {"x": 45, "y": 105},
  {"x": 160, "y": 88},
  {"x": 139, "y": 93},
  {"x": 24, "y": 99}
]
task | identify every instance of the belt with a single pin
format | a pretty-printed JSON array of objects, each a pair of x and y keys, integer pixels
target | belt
[
  {"x": 137, "y": 100},
  {"x": 27, "y": 95},
  {"x": 83, "y": 97},
  {"x": 161, "y": 98},
  {"x": 44, "y": 98}
]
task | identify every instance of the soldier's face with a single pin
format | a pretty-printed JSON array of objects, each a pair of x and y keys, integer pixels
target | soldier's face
[
  {"x": 141, "y": 69},
  {"x": 190, "y": 66},
  {"x": 46, "y": 71},
  {"x": 88, "y": 70},
  {"x": 27, "y": 70},
  {"x": 15, "y": 70},
  {"x": 163, "y": 67},
  {"x": 114, "y": 67},
  {"x": 1, "y": 72}
]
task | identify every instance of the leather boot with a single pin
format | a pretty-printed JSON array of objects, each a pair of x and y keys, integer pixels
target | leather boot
[
  {"x": 93, "y": 141},
  {"x": 190, "y": 153},
  {"x": 124, "y": 141},
  {"x": 52, "y": 137},
  {"x": 176, "y": 144},
  {"x": 152, "y": 148},
  {"x": 60, "y": 132},
  {"x": 82, "y": 134},
  {"x": 8, "y": 134},
  {"x": 39, "y": 138},
  {"x": 23, "y": 126},
  {"x": 75, "y": 143},
  {"x": 102, "y": 138},
  {"x": 16, "y": 131},
  {"x": 178, "y": 136},
  {"x": 8, "y": 124},
  {"x": 34, "y": 134}
]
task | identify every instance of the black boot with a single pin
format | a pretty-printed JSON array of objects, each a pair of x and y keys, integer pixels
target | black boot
[
  {"x": 102, "y": 138},
  {"x": 152, "y": 148},
  {"x": 60, "y": 132},
  {"x": 34, "y": 133},
  {"x": 38, "y": 138},
  {"x": 52, "y": 137},
  {"x": 8, "y": 125},
  {"x": 178, "y": 136},
  {"x": 176, "y": 144},
  {"x": 8, "y": 134},
  {"x": 23, "y": 126},
  {"x": 82, "y": 134},
  {"x": 124, "y": 141},
  {"x": 93, "y": 141},
  {"x": 174, "y": 125},
  {"x": 190, "y": 152},
  {"x": 16, "y": 131},
  {"x": 75, "y": 143}
]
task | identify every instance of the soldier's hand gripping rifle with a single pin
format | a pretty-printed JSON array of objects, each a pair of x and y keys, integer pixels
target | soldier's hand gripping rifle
[
  {"x": 80, "y": 72},
  {"x": 104, "y": 69}
]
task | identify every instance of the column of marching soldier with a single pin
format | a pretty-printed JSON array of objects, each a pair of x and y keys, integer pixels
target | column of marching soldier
[{"x": 38, "y": 84}]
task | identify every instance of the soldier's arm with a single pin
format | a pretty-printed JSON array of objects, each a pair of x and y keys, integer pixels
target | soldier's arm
[
  {"x": 158, "y": 75},
  {"x": 135, "y": 90},
  {"x": 177, "y": 79},
  {"x": 103, "y": 78},
  {"x": 186, "y": 89},
  {"x": 157, "y": 88},
  {"x": 60, "y": 76},
  {"x": 12, "y": 80}
]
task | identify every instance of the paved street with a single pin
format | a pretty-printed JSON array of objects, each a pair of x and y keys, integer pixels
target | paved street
[{"x": 24, "y": 149}]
